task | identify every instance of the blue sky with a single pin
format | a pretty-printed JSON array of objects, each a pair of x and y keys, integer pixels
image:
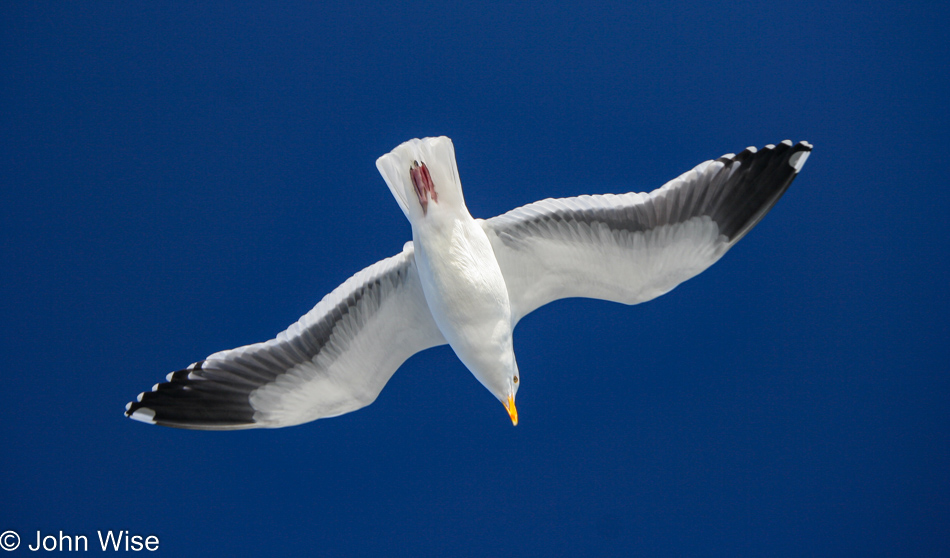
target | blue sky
[{"x": 182, "y": 179}]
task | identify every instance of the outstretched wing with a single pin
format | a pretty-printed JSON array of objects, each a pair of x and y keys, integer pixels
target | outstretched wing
[
  {"x": 334, "y": 360},
  {"x": 633, "y": 247}
]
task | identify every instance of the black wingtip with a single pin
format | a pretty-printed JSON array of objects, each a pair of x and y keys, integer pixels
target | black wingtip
[
  {"x": 193, "y": 402},
  {"x": 754, "y": 181}
]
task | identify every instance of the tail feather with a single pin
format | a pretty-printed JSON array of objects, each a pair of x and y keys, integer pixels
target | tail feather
[{"x": 438, "y": 154}]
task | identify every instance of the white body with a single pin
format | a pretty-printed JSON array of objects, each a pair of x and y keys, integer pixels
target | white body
[{"x": 463, "y": 284}]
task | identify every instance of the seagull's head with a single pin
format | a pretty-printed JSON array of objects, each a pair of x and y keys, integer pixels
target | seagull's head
[
  {"x": 509, "y": 401},
  {"x": 422, "y": 173},
  {"x": 502, "y": 380}
]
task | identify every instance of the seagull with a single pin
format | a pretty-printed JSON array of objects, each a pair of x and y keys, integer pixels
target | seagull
[{"x": 467, "y": 282}]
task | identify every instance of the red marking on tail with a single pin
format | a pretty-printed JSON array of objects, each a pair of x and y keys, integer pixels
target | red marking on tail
[{"x": 422, "y": 182}]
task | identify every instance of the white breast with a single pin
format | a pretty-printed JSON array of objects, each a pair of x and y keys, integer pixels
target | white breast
[{"x": 465, "y": 289}]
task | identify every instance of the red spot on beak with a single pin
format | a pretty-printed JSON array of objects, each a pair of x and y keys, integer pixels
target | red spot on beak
[{"x": 422, "y": 181}]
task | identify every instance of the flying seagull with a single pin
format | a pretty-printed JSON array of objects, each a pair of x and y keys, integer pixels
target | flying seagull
[{"x": 467, "y": 282}]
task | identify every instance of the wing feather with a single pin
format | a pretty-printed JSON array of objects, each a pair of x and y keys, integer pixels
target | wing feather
[
  {"x": 633, "y": 247},
  {"x": 334, "y": 360}
]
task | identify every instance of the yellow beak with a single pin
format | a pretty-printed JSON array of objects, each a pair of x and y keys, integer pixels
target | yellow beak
[{"x": 512, "y": 410}]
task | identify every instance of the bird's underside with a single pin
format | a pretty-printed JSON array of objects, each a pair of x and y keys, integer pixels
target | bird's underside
[{"x": 627, "y": 248}]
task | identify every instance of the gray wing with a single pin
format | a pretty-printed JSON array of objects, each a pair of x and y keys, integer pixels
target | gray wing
[
  {"x": 633, "y": 247},
  {"x": 334, "y": 360}
]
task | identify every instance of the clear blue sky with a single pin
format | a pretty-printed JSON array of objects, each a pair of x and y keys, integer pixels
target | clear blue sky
[{"x": 181, "y": 179}]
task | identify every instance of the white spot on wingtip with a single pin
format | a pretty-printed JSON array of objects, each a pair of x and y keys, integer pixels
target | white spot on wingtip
[
  {"x": 128, "y": 406},
  {"x": 155, "y": 387},
  {"x": 806, "y": 144},
  {"x": 798, "y": 160},
  {"x": 168, "y": 377},
  {"x": 139, "y": 397},
  {"x": 144, "y": 414},
  {"x": 787, "y": 142},
  {"x": 752, "y": 149},
  {"x": 770, "y": 146}
]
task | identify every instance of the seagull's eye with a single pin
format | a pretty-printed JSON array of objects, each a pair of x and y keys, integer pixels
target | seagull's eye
[{"x": 516, "y": 379}]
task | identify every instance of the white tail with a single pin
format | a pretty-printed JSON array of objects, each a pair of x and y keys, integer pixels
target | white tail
[{"x": 438, "y": 154}]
